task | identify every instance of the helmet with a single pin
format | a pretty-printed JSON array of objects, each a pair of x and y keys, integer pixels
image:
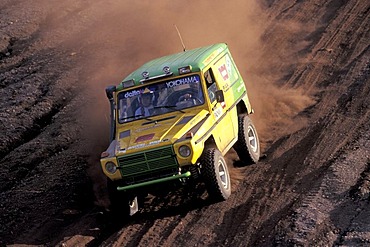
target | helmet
[{"x": 146, "y": 97}]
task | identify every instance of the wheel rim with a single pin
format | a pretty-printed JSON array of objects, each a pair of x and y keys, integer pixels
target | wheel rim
[
  {"x": 252, "y": 139},
  {"x": 132, "y": 204},
  {"x": 222, "y": 173}
]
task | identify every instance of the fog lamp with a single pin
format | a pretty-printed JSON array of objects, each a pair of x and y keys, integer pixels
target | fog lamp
[
  {"x": 185, "y": 70},
  {"x": 129, "y": 83}
]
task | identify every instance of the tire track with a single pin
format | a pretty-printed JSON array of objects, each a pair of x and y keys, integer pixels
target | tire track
[{"x": 334, "y": 194}]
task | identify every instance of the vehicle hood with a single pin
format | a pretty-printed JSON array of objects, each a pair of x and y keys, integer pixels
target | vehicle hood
[{"x": 159, "y": 131}]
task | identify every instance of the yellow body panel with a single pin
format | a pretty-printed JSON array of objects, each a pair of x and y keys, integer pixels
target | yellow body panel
[{"x": 194, "y": 126}]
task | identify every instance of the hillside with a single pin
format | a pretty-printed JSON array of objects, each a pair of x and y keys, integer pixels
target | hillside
[{"x": 306, "y": 65}]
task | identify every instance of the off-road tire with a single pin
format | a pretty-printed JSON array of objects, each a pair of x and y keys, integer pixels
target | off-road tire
[
  {"x": 248, "y": 146},
  {"x": 215, "y": 174},
  {"x": 119, "y": 202}
]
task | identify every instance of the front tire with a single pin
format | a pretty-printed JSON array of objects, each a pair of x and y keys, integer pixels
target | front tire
[
  {"x": 216, "y": 174},
  {"x": 247, "y": 147},
  {"x": 119, "y": 201}
]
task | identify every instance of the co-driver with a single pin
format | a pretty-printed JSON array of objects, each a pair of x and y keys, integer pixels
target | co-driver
[{"x": 145, "y": 108}]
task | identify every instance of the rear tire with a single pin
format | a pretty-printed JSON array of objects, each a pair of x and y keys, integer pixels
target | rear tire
[
  {"x": 216, "y": 174},
  {"x": 247, "y": 147}
]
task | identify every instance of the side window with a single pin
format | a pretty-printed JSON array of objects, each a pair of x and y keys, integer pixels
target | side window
[
  {"x": 124, "y": 108},
  {"x": 211, "y": 85}
]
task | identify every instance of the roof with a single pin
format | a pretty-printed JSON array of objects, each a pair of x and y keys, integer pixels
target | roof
[{"x": 198, "y": 59}]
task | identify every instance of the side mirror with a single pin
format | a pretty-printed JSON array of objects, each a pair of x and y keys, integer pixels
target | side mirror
[
  {"x": 220, "y": 96},
  {"x": 109, "y": 91}
]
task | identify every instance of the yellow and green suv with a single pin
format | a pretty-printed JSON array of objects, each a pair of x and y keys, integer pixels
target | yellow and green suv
[{"x": 172, "y": 122}]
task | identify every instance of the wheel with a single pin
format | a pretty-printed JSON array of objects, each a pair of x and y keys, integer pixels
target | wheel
[
  {"x": 120, "y": 203},
  {"x": 216, "y": 174},
  {"x": 247, "y": 147}
]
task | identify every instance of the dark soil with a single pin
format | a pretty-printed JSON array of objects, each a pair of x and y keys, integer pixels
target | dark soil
[{"x": 306, "y": 65}]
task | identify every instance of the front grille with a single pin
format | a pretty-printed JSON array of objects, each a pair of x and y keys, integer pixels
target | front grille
[{"x": 146, "y": 163}]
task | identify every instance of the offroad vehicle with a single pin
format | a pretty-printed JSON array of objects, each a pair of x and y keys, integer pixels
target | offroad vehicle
[{"x": 172, "y": 121}]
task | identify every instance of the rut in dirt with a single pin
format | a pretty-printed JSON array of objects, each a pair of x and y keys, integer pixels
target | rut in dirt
[{"x": 311, "y": 188}]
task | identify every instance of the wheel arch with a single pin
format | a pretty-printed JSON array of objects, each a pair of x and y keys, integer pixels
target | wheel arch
[
  {"x": 210, "y": 142},
  {"x": 242, "y": 108}
]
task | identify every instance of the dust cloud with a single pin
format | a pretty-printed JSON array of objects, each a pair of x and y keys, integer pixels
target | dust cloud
[
  {"x": 130, "y": 34},
  {"x": 122, "y": 35}
]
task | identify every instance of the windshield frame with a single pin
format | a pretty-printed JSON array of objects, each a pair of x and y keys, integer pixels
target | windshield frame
[{"x": 167, "y": 95}]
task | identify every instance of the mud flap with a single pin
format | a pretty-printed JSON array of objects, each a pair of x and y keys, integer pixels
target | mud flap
[{"x": 134, "y": 206}]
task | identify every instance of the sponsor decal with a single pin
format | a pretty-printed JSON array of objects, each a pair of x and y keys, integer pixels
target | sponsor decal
[
  {"x": 241, "y": 87},
  {"x": 141, "y": 145},
  {"x": 228, "y": 64},
  {"x": 212, "y": 55},
  {"x": 182, "y": 81},
  {"x": 168, "y": 84},
  {"x": 137, "y": 146},
  {"x": 154, "y": 142},
  {"x": 133, "y": 93},
  {"x": 145, "y": 138},
  {"x": 226, "y": 69},
  {"x": 223, "y": 71},
  {"x": 217, "y": 112}
]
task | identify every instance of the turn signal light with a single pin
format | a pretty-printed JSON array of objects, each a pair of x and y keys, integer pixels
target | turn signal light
[
  {"x": 189, "y": 135},
  {"x": 104, "y": 154}
]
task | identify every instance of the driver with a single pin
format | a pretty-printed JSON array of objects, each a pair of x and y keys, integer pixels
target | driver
[{"x": 146, "y": 104}]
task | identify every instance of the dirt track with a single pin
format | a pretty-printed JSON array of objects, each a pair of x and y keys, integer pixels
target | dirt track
[{"x": 307, "y": 66}]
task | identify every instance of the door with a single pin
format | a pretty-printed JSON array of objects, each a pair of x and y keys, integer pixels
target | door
[{"x": 224, "y": 132}]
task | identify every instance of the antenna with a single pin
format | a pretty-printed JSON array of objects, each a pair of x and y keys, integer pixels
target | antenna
[{"x": 182, "y": 42}]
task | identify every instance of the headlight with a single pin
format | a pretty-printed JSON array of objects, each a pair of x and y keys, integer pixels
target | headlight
[
  {"x": 110, "y": 167},
  {"x": 184, "y": 151}
]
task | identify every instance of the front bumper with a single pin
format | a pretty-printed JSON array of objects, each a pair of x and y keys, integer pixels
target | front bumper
[{"x": 156, "y": 181}]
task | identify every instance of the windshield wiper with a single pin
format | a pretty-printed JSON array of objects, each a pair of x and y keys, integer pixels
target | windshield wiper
[
  {"x": 169, "y": 107},
  {"x": 142, "y": 116},
  {"x": 135, "y": 117},
  {"x": 125, "y": 118}
]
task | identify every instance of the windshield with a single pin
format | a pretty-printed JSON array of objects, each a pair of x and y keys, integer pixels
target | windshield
[{"x": 151, "y": 100}]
